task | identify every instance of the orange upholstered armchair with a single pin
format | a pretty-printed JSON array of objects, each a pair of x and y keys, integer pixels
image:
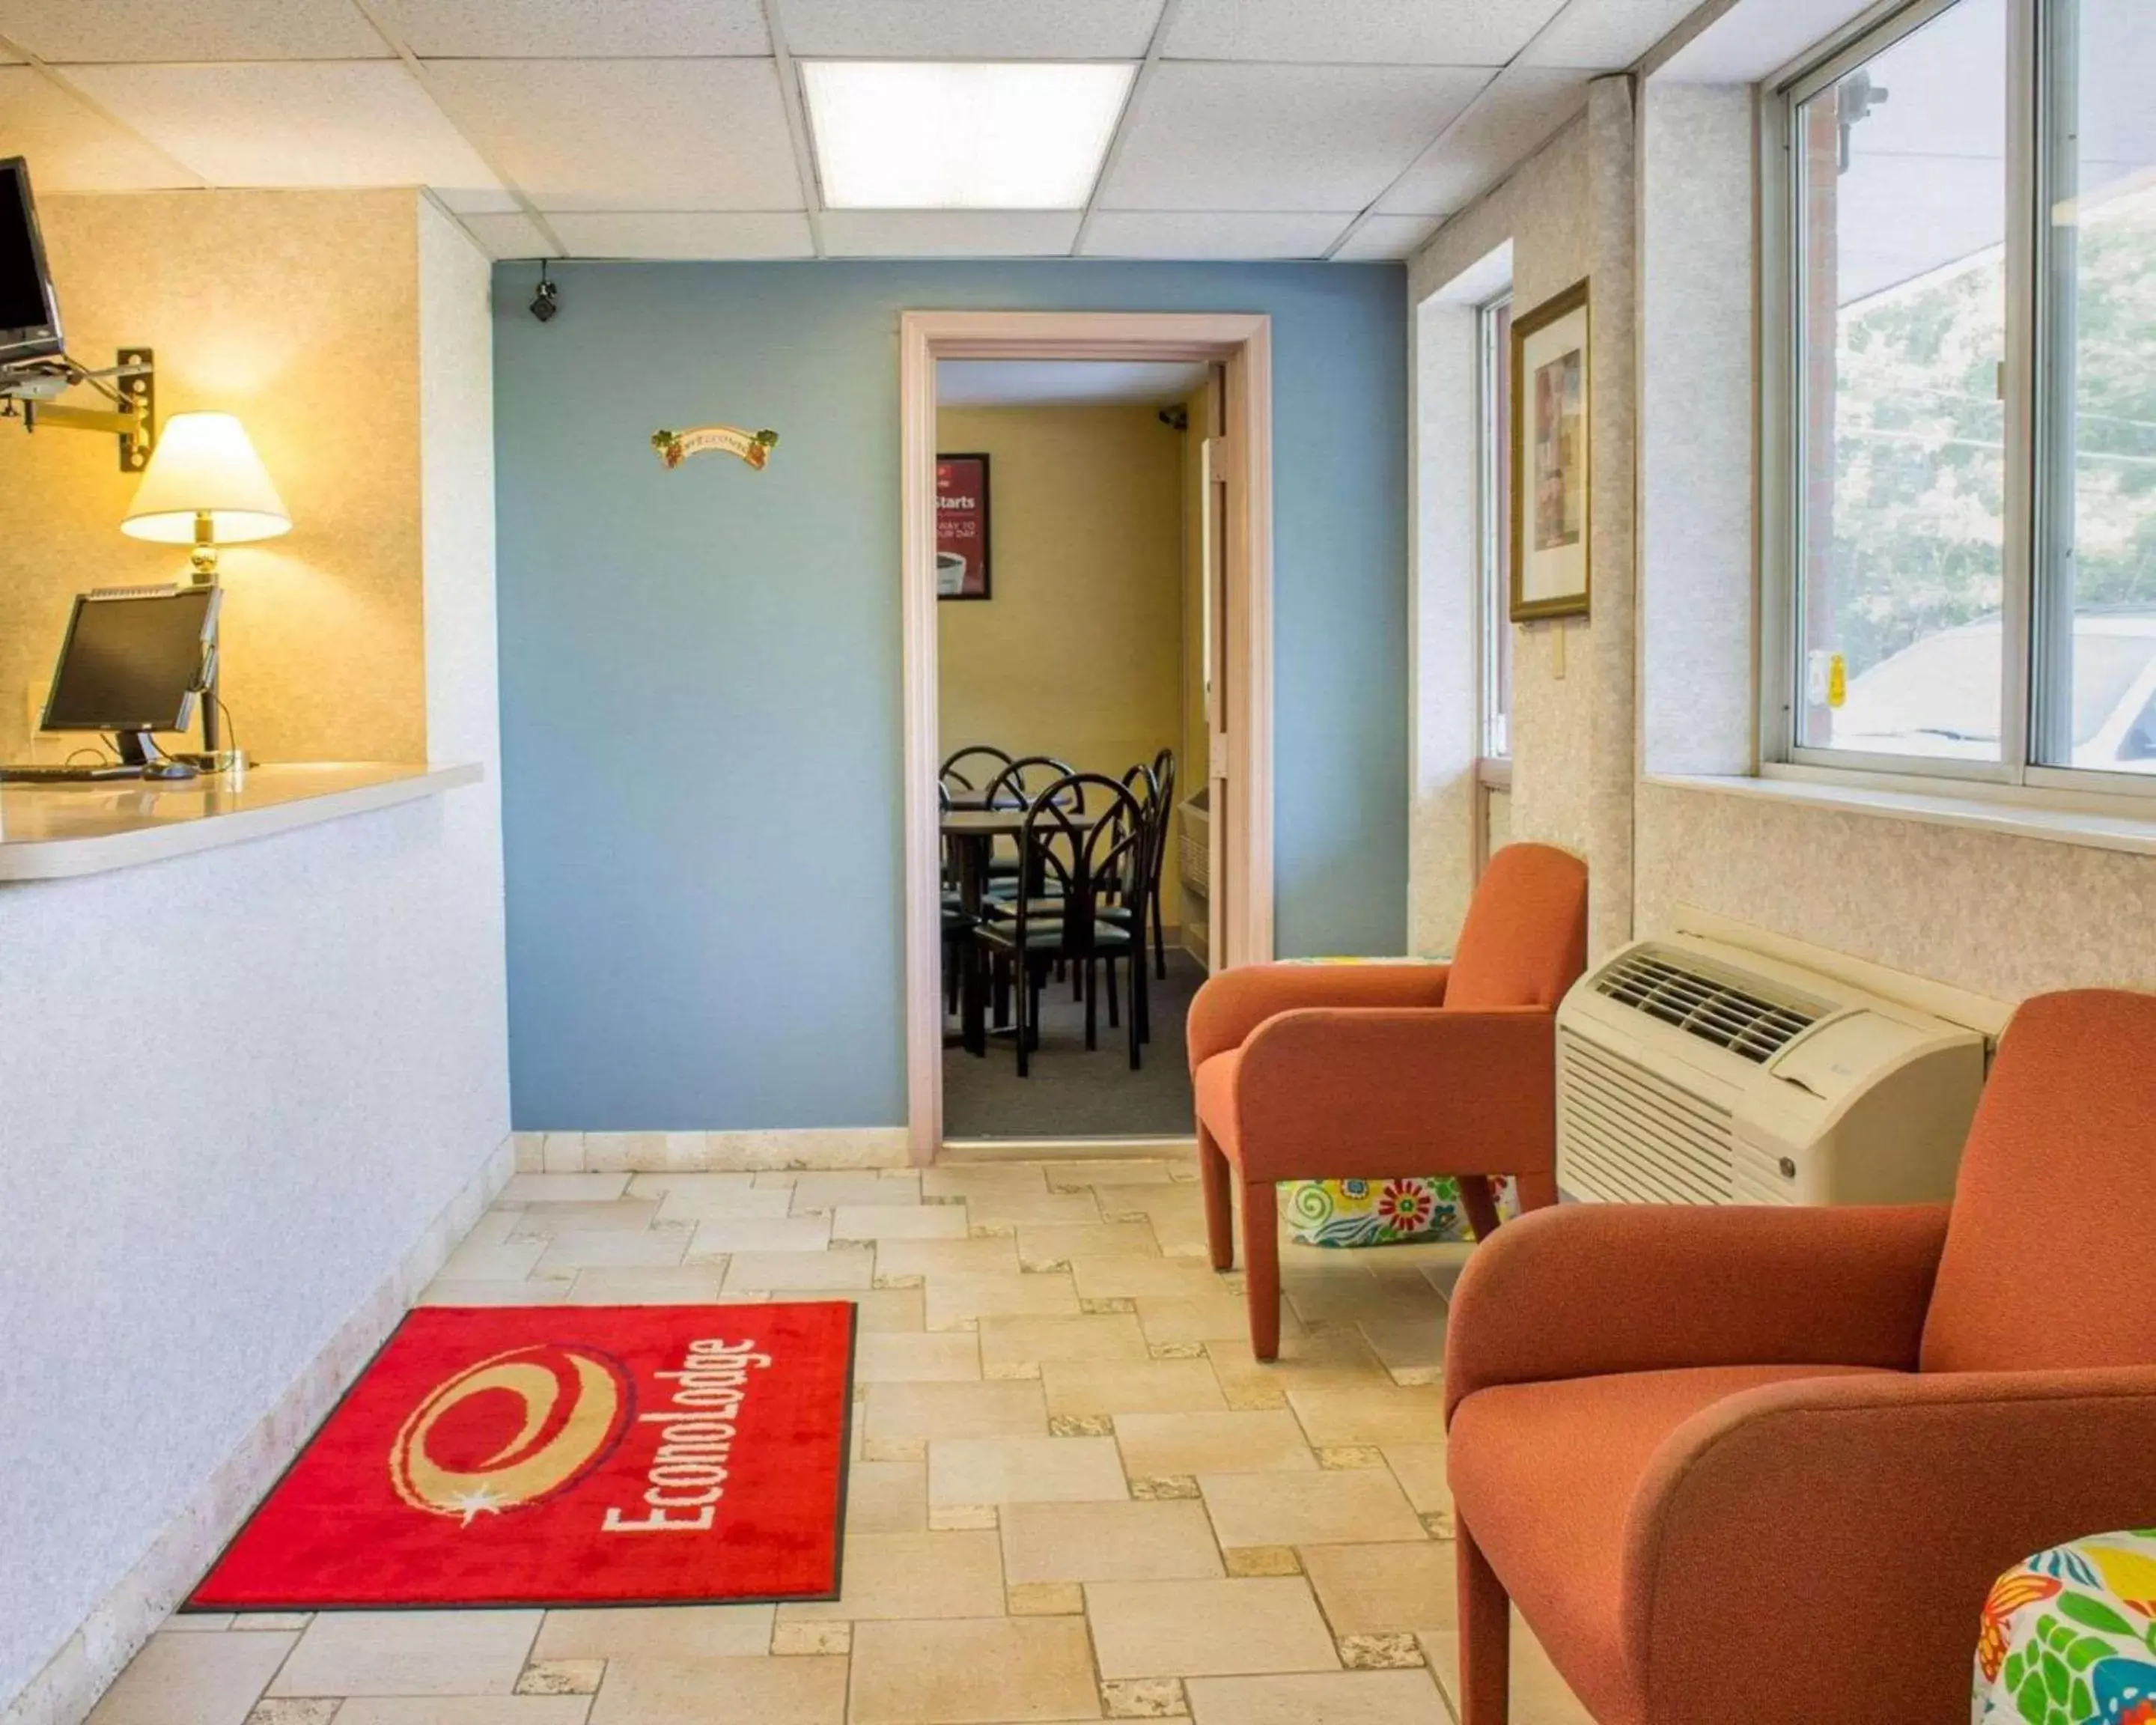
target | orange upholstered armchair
[
  {"x": 1374, "y": 1072},
  {"x": 1762, "y": 1465}
]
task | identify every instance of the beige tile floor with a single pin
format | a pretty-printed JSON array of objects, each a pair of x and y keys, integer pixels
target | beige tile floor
[{"x": 1074, "y": 1495}]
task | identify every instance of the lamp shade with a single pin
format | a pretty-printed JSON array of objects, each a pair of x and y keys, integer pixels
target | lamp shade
[{"x": 204, "y": 463}]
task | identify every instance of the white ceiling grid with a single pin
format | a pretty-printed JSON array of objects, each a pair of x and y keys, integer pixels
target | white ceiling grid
[{"x": 669, "y": 129}]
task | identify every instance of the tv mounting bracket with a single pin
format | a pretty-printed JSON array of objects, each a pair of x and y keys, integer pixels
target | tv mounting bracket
[{"x": 27, "y": 391}]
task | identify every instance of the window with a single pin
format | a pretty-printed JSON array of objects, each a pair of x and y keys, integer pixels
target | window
[
  {"x": 2095, "y": 624},
  {"x": 1965, "y": 314},
  {"x": 1494, "y": 524}
]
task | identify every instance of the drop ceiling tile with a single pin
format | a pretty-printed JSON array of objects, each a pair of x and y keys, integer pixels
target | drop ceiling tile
[
  {"x": 766, "y": 234},
  {"x": 1387, "y": 237},
  {"x": 77, "y": 30},
  {"x": 949, "y": 234},
  {"x": 573, "y": 29},
  {"x": 1249, "y": 138},
  {"x": 1459, "y": 33},
  {"x": 1508, "y": 123},
  {"x": 292, "y": 122},
  {"x": 1607, "y": 35},
  {"x": 970, "y": 29},
  {"x": 514, "y": 235},
  {"x": 1269, "y": 234},
  {"x": 70, "y": 146},
  {"x": 638, "y": 134}
]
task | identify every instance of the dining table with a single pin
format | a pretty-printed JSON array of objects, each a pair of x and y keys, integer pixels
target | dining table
[{"x": 971, "y": 834}]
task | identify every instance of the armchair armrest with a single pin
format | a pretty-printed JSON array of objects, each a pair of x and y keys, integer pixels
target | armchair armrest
[
  {"x": 1324, "y": 1091},
  {"x": 1233, "y": 1004},
  {"x": 1833, "y": 1539},
  {"x": 1587, "y": 1289}
]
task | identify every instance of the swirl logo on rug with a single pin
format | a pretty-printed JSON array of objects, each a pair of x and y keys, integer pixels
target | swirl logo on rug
[{"x": 513, "y": 1429}]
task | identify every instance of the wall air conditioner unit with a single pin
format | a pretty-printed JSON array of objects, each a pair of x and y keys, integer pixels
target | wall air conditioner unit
[{"x": 1693, "y": 1071}]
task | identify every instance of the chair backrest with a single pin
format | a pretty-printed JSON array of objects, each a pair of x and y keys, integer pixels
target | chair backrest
[
  {"x": 1089, "y": 861},
  {"x": 2047, "y": 1256},
  {"x": 1525, "y": 940},
  {"x": 1163, "y": 782},
  {"x": 1024, "y": 781},
  {"x": 956, "y": 771}
]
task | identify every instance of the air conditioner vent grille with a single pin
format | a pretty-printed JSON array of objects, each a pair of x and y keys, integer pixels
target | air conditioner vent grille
[
  {"x": 1706, "y": 1006},
  {"x": 1629, "y": 1137}
]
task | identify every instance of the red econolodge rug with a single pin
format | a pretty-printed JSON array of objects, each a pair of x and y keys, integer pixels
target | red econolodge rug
[{"x": 566, "y": 1455}]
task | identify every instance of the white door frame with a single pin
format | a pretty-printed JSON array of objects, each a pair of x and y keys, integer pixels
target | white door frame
[{"x": 1243, "y": 343}]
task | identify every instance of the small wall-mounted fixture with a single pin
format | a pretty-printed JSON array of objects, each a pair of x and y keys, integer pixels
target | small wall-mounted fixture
[
  {"x": 130, "y": 387},
  {"x": 1176, "y": 418},
  {"x": 546, "y": 300}
]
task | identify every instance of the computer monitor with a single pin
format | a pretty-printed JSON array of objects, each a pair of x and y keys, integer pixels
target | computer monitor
[
  {"x": 134, "y": 661},
  {"x": 29, "y": 311}
]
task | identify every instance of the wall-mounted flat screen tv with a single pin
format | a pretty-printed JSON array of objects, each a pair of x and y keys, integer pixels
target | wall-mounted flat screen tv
[{"x": 29, "y": 314}]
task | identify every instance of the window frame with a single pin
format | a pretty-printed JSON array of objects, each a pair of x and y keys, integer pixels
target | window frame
[
  {"x": 2031, "y": 697},
  {"x": 1493, "y": 706}
]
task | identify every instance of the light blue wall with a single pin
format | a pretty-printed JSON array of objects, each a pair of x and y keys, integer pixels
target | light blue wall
[{"x": 699, "y": 669}]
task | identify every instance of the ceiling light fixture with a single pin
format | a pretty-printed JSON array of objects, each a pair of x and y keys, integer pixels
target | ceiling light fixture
[{"x": 962, "y": 135}]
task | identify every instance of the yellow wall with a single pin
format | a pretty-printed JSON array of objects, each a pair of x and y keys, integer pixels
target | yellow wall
[
  {"x": 298, "y": 311},
  {"x": 1079, "y": 652}
]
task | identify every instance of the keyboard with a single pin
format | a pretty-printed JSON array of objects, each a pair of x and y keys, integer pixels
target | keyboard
[{"x": 40, "y": 775}]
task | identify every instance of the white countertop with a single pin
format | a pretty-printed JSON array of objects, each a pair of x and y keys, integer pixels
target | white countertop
[{"x": 55, "y": 832}]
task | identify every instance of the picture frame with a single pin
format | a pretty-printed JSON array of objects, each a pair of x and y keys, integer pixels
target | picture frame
[
  {"x": 1552, "y": 459},
  {"x": 964, "y": 527}
]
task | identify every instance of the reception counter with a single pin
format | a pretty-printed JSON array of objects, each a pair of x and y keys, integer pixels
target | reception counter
[
  {"x": 55, "y": 832},
  {"x": 254, "y": 1085}
]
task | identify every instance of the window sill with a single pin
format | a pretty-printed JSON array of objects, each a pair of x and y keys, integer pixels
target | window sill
[{"x": 2114, "y": 824}]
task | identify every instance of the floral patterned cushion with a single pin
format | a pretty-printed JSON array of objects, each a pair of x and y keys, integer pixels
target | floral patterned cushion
[
  {"x": 2070, "y": 1637},
  {"x": 1367, "y": 1212}
]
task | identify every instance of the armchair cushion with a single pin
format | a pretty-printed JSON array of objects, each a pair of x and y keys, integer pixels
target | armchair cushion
[
  {"x": 1320, "y": 1092},
  {"x": 1587, "y": 1289},
  {"x": 1547, "y": 1474}
]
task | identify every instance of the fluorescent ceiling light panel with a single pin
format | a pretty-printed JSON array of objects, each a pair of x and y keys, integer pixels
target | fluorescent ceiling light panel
[{"x": 962, "y": 135}]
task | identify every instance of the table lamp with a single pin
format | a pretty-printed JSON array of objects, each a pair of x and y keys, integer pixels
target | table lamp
[{"x": 204, "y": 487}]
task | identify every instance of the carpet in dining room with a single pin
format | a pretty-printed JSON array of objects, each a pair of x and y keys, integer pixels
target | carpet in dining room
[{"x": 1073, "y": 1093}]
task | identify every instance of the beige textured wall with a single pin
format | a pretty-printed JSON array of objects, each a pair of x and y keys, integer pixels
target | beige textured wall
[
  {"x": 298, "y": 311},
  {"x": 1079, "y": 652},
  {"x": 2004, "y": 917},
  {"x": 1544, "y": 209}
]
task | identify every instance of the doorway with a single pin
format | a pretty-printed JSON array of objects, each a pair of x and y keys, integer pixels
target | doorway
[{"x": 1223, "y": 849}]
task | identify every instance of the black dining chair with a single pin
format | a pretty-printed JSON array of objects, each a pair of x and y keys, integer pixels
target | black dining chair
[
  {"x": 956, "y": 924},
  {"x": 1017, "y": 786},
  {"x": 1087, "y": 861},
  {"x": 957, "y": 772},
  {"x": 1163, "y": 780},
  {"x": 1021, "y": 781}
]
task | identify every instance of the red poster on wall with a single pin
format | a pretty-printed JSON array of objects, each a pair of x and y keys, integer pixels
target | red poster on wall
[{"x": 961, "y": 526}]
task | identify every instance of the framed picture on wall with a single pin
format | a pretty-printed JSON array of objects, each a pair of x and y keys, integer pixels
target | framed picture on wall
[
  {"x": 961, "y": 526},
  {"x": 1550, "y": 459}
]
